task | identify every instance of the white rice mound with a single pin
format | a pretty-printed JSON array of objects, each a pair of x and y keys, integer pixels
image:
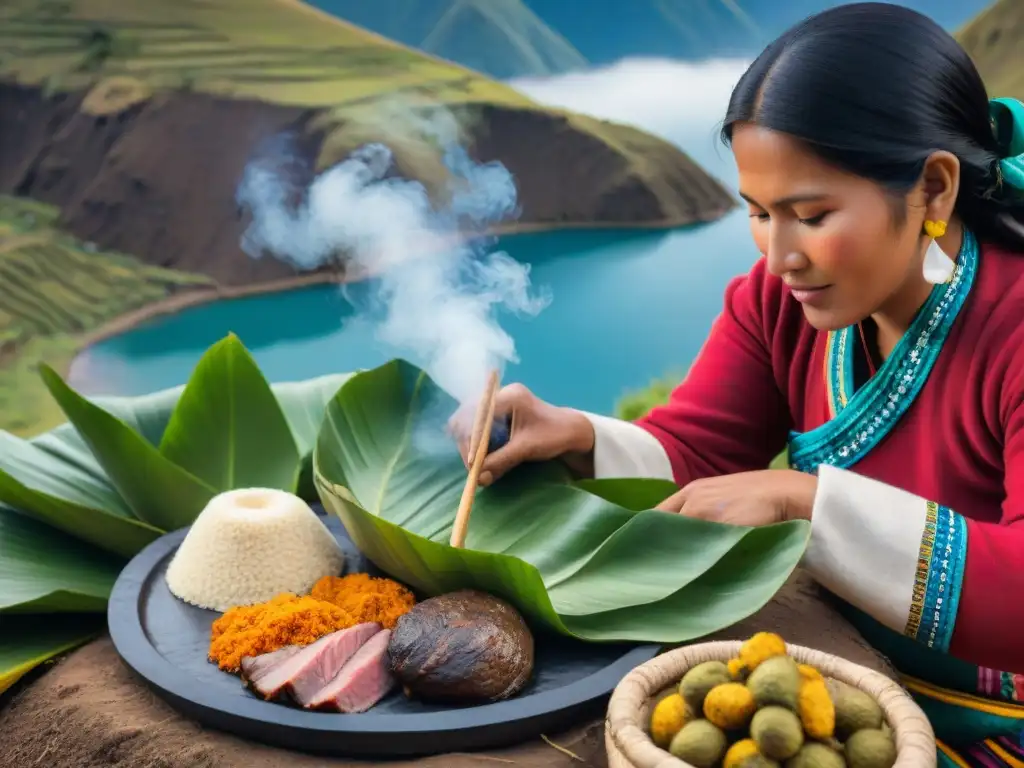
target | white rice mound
[{"x": 249, "y": 545}]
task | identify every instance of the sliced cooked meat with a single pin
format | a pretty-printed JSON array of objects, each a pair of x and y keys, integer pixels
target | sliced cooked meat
[
  {"x": 462, "y": 647},
  {"x": 315, "y": 665},
  {"x": 255, "y": 667},
  {"x": 362, "y": 682}
]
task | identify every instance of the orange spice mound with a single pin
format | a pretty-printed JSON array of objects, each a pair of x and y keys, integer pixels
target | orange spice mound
[
  {"x": 366, "y": 598},
  {"x": 286, "y": 619}
]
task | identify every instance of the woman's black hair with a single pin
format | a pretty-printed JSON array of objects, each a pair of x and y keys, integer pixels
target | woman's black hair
[{"x": 874, "y": 89}]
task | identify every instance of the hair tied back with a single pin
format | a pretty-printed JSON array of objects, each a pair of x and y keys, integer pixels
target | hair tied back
[{"x": 1008, "y": 124}]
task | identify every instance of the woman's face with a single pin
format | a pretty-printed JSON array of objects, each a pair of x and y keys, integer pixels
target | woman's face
[{"x": 831, "y": 236}]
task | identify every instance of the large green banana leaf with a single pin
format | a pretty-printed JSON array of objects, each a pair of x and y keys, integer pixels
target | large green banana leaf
[
  {"x": 578, "y": 559},
  {"x": 66, "y": 530},
  {"x": 28, "y": 641},
  {"x": 158, "y": 491},
  {"x": 146, "y": 414},
  {"x": 72, "y": 499},
  {"x": 586, "y": 559},
  {"x": 228, "y": 429},
  {"x": 43, "y": 570},
  {"x": 303, "y": 404},
  {"x": 58, "y": 479}
]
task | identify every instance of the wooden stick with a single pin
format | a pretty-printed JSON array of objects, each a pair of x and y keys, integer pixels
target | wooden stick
[
  {"x": 478, "y": 441},
  {"x": 474, "y": 438}
]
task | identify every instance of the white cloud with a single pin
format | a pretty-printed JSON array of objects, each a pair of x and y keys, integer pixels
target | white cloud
[{"x": 683, "y": 102}]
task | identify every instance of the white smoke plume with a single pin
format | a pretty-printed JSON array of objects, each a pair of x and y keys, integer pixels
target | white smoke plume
[{"x": 435, "y": 289}]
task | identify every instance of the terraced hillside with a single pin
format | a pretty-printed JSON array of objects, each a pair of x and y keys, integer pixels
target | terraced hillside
[
  {"x": 995, "y": 40},
  {"x": 279, "y": 51},
  {"x": 53, "y": 290},
  {"x": 137, "y": 120}
]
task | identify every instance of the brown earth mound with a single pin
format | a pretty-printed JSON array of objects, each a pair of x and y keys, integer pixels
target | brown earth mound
[
  {"x": 156, "y": 178},
  {"x": 156, "y": 181},
  {"x": 89, "y": 710}
]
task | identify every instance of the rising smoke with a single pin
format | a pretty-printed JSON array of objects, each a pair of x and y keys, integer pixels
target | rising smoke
[{"x": 435, "y": 288}]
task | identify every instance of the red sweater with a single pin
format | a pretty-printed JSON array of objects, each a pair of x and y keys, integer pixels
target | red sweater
[{"x": 960, "y": 444}]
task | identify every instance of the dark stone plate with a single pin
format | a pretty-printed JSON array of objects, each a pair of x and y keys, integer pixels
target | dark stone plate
[{"x": 165, "y": 641}]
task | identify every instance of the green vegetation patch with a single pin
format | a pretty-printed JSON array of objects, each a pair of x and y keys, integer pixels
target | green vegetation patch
[
  {"x": 236, "y": 48},
  {"x": 638, "y": 403},
  {"x": 53, "y": 290},
  {"x": 993, "y": 39}
]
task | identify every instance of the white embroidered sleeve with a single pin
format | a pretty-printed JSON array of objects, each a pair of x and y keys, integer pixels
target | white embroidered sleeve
[
  {"x": 622, "y": 449},
  {"x": 896, "y": 556}
]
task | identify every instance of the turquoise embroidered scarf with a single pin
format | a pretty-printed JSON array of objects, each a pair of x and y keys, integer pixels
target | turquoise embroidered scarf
[{"x": 861, "y": 418}]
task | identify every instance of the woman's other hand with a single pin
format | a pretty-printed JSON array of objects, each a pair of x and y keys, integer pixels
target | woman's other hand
[
  {"x": 540, "y": 432},
  {"x": 747, "y": 498}
]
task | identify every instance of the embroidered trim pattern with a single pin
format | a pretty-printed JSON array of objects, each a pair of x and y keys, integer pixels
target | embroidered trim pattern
[
  {"x": 1000, "y": 685},
  {"x": 940, "y": 570},
  {"x": 838, "y": 377},
  {"x": 1012, "y": 687},
  {"x": 871, "y": 412}
]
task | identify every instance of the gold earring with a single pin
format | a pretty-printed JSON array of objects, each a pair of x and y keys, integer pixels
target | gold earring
[{"x": 934, "y": 229}]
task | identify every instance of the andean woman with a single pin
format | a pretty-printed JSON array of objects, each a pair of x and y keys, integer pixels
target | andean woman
[{"x": 881, "y": 339}]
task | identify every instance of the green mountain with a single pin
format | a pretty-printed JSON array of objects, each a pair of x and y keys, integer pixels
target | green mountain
[
  {"x": 995, "y": 40},
  {"x": 701, "y": 29},
  {"x": 135, "y": 122},
  {"x": 513, "y": 38},
  {"x": 503, "y": 38}
]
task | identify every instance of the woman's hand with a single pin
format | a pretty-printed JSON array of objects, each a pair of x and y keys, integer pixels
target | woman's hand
[
  {"x": 747, "y": 498},
  {"x": 540, "y": 431}
]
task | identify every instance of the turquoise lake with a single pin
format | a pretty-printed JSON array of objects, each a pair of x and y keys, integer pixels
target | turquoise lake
[{"x": 626, "y": 307}]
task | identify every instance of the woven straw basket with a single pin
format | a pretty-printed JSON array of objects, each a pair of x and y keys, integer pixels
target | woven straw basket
[{"x": 629, "y": 745}]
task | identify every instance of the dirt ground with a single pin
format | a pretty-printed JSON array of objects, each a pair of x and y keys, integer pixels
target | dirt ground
[{"x": 89, "y": 711}]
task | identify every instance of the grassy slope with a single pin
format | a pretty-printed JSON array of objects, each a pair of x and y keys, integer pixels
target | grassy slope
[
  {"x": 53, "y": 289},
  {"x": 995, "y": 40},
  {"x": 278, "y": 51}
]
